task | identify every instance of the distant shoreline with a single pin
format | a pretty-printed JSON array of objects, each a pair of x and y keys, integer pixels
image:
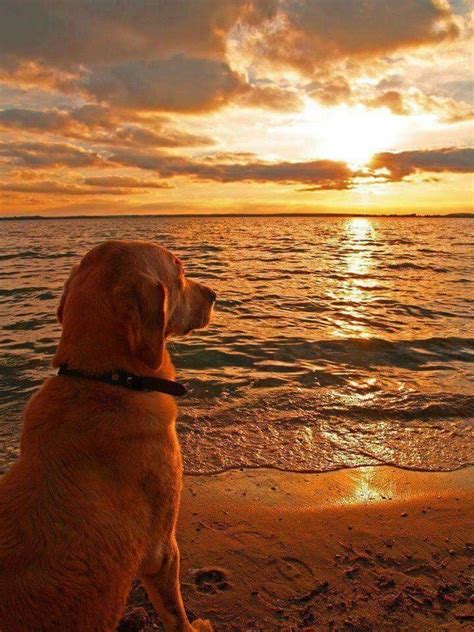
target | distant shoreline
[{"x": 11, "y": 218}]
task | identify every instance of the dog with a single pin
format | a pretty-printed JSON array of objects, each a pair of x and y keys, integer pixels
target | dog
[{"x": 92, "y": 501}]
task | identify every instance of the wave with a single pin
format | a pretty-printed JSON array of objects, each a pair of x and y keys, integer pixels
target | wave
[
  {"x": 407, "y": 265},
  {"x": 35, "y": 254},
  {"x": 318, "y": 431},
  {"x": 360, "y": 352}
]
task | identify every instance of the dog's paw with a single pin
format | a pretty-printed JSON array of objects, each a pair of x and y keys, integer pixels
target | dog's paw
[{"x": 199, "y": 625}]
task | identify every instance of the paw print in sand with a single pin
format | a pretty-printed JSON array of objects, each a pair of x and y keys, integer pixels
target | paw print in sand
[{"x": 210, "y": 581}]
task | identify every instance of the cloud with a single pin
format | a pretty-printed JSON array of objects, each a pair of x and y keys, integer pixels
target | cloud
[
  {"x": 54, "y": 188},
  {"x": 92, "y": 116},
  {"x": 330, "y": 91},
  {"x": 271, "y": 97},
  {"x": 317, "y": 172},
  {"x": 107, "y": 185},
  {"x": 460, "y": 90},
  {"x": 69, "y": 33},
  {"x": 449, "y": 110},
  {"x": 173, "y": 55},
  {"x": 391, "y": 99},
  {"x": 307, "y": 34},
  {"x": 416, "y": 102},
  {"x": 401, "y": 164},
  {"x": 47, "y": 120},
  {"x": 402, "y": 102},
  {"x": 125, "y": 181},
  {"x": 41, "y": 155},
  {"x": 80, "y": 122},
  {"x": 55, "y": 120},
  {"x": 165, "y": 55},
  {"x": 164, "y": 137},
  {"x": 177, "y": 84}
]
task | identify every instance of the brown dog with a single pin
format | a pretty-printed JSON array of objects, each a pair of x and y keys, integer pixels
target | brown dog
[{"x": 93, "y": 499}]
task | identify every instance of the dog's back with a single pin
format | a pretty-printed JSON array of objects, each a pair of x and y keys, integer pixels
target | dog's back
[
  {"x": 93, "y": 500},
  {"x": 74, "y": 526}
]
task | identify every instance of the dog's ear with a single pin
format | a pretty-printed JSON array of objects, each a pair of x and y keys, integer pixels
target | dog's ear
[
  {"x": 140, "y": 303},
  {"x": 62, "y": 302}
]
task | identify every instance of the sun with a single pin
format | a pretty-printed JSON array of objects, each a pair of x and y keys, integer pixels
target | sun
[{"x": 350, "y": 133}]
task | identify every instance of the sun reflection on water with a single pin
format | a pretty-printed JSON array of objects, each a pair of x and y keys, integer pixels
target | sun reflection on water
[{"x": 360, "y": 238}]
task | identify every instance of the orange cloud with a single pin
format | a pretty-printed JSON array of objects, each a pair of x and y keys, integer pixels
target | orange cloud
[
  {"x": 309, "y": 34},
  {"x": 178, "y": 84},
  {"x": 66, "y": 34},
  {"x": 73, "y": 122},
  {"x": 40, "y": 155},
  {"x": 392, "y": 99},
  {"x": 126, "y": 181},
  {"x": 49, "y": 187},
  {"x": 107, "y": 185},
  {"x": 271, "y": 97},
  {"x": 78, "y": 123},
  {"x": 404, "y": 163},
  {"x": 164, "y": 137},
  {"x": 323, "y": 173},
  {"x": 330, "y": 91}
]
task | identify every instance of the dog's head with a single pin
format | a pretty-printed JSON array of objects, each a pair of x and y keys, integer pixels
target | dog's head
[{"x": 139, "y": 291}]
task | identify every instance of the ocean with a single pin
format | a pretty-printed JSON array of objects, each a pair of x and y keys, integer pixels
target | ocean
[{"x": 336, "y": 341}]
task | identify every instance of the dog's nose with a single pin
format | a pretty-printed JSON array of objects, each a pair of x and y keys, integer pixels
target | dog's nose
[{"x": 212, "y": 295}]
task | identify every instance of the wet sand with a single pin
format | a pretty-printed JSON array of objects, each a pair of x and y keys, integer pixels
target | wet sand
[{"x": 374, "y": 548}]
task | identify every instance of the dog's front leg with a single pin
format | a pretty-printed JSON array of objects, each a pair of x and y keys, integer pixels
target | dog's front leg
[{"x": 160, "y": 576}]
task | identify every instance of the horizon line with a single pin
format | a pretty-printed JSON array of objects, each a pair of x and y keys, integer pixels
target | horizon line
[{"x": 459, "y": 215}]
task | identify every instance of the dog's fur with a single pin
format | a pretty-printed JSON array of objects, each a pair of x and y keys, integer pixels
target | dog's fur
[{"x": 92, "y": 501}]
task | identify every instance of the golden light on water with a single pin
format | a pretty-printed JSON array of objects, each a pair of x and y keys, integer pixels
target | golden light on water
[
  {"x": 359, "y": 228},
  {"x": 360, "y": 236}
]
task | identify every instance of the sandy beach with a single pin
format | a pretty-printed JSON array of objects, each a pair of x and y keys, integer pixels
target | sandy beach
[{"x": 374, "y": 548}]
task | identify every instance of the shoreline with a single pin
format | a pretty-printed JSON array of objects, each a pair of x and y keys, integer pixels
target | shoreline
[{"x": 366, "y": 549}]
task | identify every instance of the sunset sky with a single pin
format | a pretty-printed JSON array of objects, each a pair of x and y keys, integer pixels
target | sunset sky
[{"x": 226, "y": 106}]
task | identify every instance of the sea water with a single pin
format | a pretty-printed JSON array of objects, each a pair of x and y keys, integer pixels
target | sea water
[{"x": 336, "y": 341}]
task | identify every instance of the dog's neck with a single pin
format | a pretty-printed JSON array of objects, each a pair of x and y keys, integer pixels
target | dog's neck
[{"x": 100, "y": 354}]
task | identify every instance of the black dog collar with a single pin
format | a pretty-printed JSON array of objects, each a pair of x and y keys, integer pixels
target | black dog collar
[{"x": 129, "y": 380}]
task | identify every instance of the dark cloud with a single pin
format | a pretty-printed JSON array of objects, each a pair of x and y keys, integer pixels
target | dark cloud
[
  {"x": 92, "y": 116},
  {"x": 67, "y": 33},
  {"x": 107, "y": 185},
  {"x": 404, "y": 163},
  {"x": 126, "y": 182},
  {"x": 310, "y": 33},
  {"x": 165, "y": 137},
  {"x": 177, "y": 84},
  {"x": 79, "y": 122},
  {"x": 171, "y": 55},
  {"x": 54, "y": 188},
  {"x": 230, "y": 157},
  {"x": 41, "y": 155},
  {"x": 317, "y": 172},
  {"x": 56, "y": 120},
  {"x": 47, "y": 120},
  {"x": 149, "y": 55}
]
